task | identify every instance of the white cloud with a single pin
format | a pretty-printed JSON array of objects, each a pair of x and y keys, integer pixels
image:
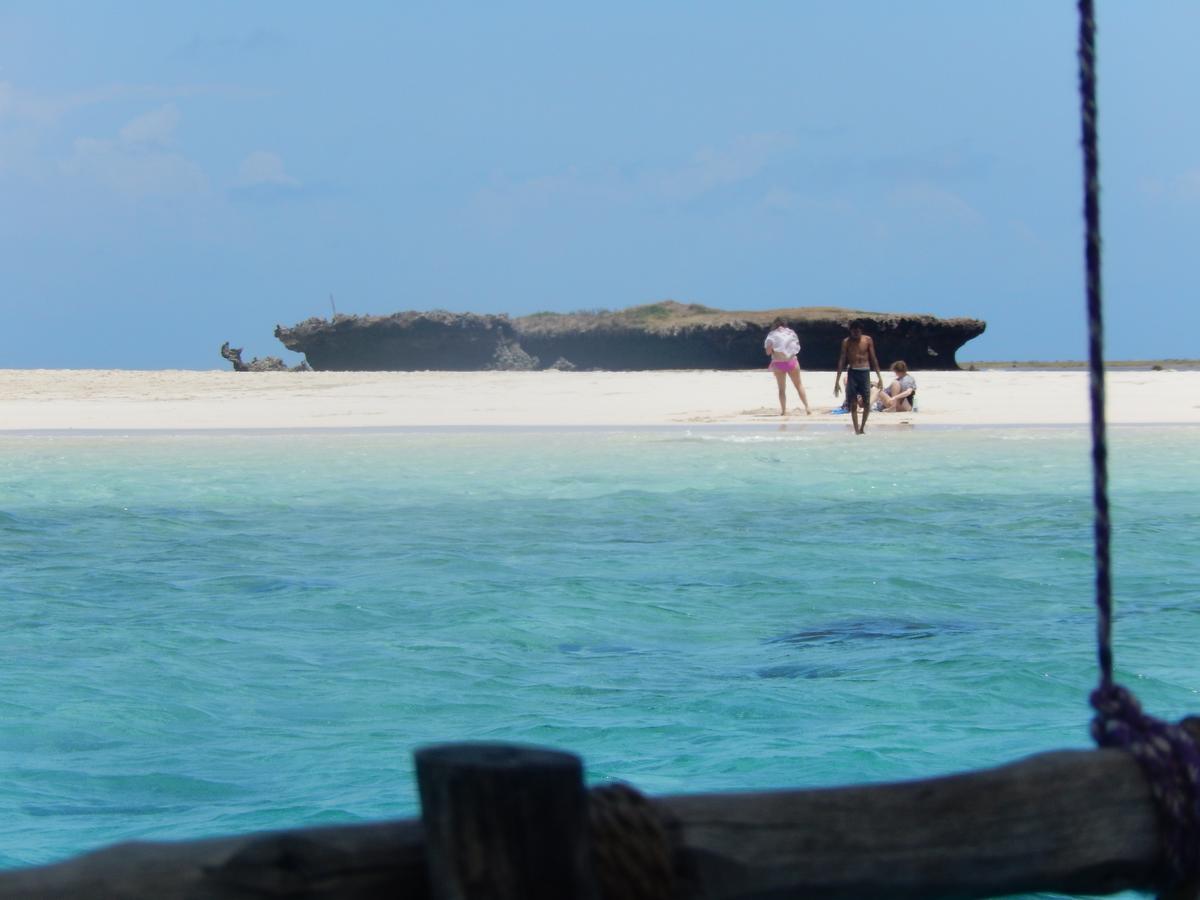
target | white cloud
[
  {"x": 138, "y": 162},
  {"x": 780, "y": 200},
  {"x": 503, "y": 201},
  {"x": 47, "y": 110},
  {"x": 132, "y": 172},
  {"x": 17, "y": 106},
  {"x": 1182, "y": 189},
  {"x": 154, "y": 127},
  {"x": 264, "y": 168},
  {"x": 927, "y": 203},
  {"x": 713, "y": 168},
  {"x": 32, "y": 128},
  {"x": 23, "y": 120}
]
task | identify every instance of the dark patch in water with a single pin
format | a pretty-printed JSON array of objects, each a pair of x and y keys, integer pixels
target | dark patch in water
[
  {"x": 798, "y": 671},
  {"x": 868, "y": 630}
]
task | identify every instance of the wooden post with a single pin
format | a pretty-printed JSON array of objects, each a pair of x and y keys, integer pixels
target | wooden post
[{"x": 504, "y": 822}]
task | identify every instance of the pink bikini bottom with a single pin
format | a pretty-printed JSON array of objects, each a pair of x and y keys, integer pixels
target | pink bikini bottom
[{"x": 783, "y": 365}]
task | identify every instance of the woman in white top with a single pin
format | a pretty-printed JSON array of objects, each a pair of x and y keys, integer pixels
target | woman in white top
[{"x": 783, "y": 347}]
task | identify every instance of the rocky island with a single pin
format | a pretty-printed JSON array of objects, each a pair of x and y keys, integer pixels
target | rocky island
[{"x": 666, "y": 335}]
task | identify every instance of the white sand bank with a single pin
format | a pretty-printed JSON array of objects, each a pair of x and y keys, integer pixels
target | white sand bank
[{"x": 135, "y": 400}]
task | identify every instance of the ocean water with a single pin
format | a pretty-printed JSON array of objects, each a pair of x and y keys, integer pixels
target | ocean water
[{"x": 217, "y": 633}]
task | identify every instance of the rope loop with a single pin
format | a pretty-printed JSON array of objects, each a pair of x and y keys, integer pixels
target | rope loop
[
  {"x": 631, "y": 853},
  {"x": 1169, "y": 755}
]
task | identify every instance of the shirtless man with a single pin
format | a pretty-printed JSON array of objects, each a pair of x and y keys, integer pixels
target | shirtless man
[{"x": 858, "y": 352}]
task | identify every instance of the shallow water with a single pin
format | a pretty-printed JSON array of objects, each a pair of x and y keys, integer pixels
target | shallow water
[{"x": 217, "y": 633}]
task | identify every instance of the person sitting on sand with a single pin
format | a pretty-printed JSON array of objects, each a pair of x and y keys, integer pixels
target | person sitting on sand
[
  {"x": 900, "y": 394},
  {"x": 783, "y": 347}
]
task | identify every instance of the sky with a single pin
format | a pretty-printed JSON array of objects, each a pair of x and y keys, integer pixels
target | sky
[{"x": 176, "y": 175}]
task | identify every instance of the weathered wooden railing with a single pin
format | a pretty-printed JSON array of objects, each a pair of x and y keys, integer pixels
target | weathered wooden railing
[{"x": 508, "y": 822}]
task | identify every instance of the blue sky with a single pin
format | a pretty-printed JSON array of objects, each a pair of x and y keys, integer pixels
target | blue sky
[{"x": 176, "y": 175}]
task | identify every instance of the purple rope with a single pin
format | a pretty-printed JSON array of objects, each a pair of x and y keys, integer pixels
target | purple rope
[
  {"x": 1091, "y": 212},
  {"x": 1171, "y": 762},
  {"x": 1167, "y": 753}
]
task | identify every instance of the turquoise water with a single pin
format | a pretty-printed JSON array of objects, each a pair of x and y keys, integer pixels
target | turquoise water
[{"x": 209, "y": 634}]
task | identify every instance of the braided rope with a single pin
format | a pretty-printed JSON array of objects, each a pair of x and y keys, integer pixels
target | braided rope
[
  {"x": 1091, "y": 211},
  {"x": 1169, "y": 757},
  {"x": 1168, "y": 754},
  {"x": 631, "y": 853}
]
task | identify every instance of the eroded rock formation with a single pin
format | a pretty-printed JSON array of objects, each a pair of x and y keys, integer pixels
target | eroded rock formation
[
  {"x": 270, "y": 364},
  {"x": 406, "y": 341},
  {"x": 665, "y": 335}
]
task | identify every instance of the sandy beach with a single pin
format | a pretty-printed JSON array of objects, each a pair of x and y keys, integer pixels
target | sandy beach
[{"x": 124, "y": 400}]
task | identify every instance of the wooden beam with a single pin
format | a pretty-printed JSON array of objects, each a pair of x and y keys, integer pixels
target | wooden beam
[
  {"x": 347, "y": 862},
  {"x": 1078, "y": 822}
]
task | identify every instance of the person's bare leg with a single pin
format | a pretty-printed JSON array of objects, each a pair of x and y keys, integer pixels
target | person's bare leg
[
  {"x": 795, "y": 373},
  {"x": 866, "y": 412},
  {"x": 854, "y": 413},
  {"x": 883, "y": 398},
  {"x": 781, "y": 380}
]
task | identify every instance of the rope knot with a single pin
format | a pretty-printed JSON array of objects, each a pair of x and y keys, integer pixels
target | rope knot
[{"x": 1169, "y": 755}]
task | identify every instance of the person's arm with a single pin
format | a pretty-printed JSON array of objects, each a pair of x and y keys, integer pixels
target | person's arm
[
  {"x": 874, "y": 361},
  {"x": 837, "y": 376}
]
